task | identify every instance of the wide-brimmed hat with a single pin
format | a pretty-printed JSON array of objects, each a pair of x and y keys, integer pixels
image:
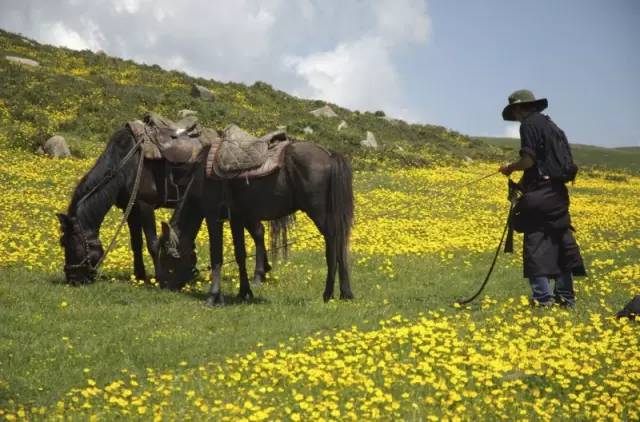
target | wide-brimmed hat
[{"x": 523, "y": 96}]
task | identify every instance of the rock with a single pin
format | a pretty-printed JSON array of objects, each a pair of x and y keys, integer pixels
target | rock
[
  {"x": 186, "y": 112},
  {"x": 468, "y": 159},
  {"x": 234, "y": 132},
  {"x": 342, "y": 125},
  {"x": 370, "y": 142},
  {"x": 391, "y": 120},
  {"x": 56, "y": 147},
  {"x": 307, "y": 130},
  {"x": 200, "y": 91},
  {"x": 22, "y": 60},
  {"x": 325, "y": 111}
]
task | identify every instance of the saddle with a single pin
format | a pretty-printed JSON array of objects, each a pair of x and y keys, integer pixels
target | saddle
[
  {"x": 241, "y": 155},
  {"x": 178, "y": 143}
]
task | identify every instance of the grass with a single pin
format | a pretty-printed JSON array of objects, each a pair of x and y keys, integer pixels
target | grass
[
  {"x": 150, "y": 351},
  {"x": 624, "y": 158}
]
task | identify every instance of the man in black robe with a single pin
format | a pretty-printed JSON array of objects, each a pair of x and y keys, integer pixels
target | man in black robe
[{"x": 550, "y": 248}]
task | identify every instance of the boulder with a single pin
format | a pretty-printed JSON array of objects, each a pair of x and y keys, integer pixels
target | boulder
[
  {"x": 325, "y": 111},
  {"x": 22, "y": 60},
  {"x": 200, "y": 91},
  {"x": 391, "y": 120},
  {"x": 185, "y": 113},
  {"x": 234, "y": 132},
  {"x": 468, "y": 159},
  {"x": 370, "y": 142},
  {"x": 56, "y": 147},
  {"x": 307, "y": 130},
  {"x": 342, "y": 125}
]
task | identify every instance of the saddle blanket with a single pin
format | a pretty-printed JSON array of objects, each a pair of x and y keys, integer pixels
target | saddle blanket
[{"x": 237, "y": 156}]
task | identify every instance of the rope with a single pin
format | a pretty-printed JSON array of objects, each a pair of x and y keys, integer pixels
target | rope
[
  {"x": 493, "y": 263},
  {"x": 132, "y": 199},
  {"x": 378, "y": 216}
]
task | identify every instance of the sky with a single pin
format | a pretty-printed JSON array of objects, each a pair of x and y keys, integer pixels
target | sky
[{"x": 445, "y": 62}]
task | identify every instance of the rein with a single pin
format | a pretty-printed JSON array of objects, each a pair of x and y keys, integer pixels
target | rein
[
  {"x": 125, "y": 216},
  {"x": 86, "y": 263}
]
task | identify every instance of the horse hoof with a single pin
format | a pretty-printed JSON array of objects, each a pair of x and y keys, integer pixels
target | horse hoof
[
  {"x": 346, "y": 296},
  {"x": 215, "y": 301},
  {"x": 245, "y": 295},
  {"x": 258, "y": 281},
  {"x": 327, "y": 298}
]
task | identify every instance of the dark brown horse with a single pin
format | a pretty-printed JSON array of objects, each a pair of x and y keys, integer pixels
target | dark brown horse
[
  {"x": 312, "y": 179},
  {"x": 110, "y": 183}
]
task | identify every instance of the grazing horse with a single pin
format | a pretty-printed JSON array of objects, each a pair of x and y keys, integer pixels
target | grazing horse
[
  {"x": 111, "y": 183},
  {"x": 312, "y": 179}
]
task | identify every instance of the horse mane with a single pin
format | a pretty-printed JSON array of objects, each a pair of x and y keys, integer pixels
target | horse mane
[{"x": 91, "y": 211}]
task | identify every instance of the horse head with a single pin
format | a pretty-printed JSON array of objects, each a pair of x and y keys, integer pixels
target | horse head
[
  {"x": 176, "y": 264},
  {"x": 82, "y": 251}
]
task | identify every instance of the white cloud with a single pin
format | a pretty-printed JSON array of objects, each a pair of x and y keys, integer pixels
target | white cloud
[
  {"x": 344, "y": 51},
  {"x": 358, "y": 75},
  {"x": 512, "y": 130}
]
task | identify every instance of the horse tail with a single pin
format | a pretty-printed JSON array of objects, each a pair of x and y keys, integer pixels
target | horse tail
[
  {"x": 340, "y": 205},
  {"x": 279, "y": 235}
]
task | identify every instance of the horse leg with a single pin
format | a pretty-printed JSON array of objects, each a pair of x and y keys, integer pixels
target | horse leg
[
  {"x": 214, "y": 227},
  {"x": 331, "y": 257},
  {"x": 135, "y": 230},
  {"x": 148, "y": 220},
  {"x": 240, "y": 251},
  {"x": 262, "y": 262},
  {"x": 343, "y": 271}
]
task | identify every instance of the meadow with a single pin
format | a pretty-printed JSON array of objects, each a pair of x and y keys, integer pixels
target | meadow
[
  {"x": 121, "y": 348},
  {"x": 125, "y": 349}
]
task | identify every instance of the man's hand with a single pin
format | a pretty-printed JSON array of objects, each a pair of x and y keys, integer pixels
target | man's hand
[{"x": 506, "y": 169}]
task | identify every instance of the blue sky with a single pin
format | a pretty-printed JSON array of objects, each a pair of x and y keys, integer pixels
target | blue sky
[{"x": 443, "y": 62}]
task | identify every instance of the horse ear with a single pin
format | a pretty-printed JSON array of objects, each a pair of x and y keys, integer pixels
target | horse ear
[{"x": 64, "y": 220}]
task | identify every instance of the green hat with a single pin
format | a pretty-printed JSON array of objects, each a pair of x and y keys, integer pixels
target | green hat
[{"x": 523, "y": 96}]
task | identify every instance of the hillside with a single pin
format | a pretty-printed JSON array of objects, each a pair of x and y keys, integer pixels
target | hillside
[
  {"x": 624, "y": 158},
  {"x": 86, "y": 96}
]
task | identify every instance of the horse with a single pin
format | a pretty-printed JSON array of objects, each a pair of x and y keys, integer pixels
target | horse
[
  {"x": 312, "y": 179},
  {"x": 111, "y": 182}
]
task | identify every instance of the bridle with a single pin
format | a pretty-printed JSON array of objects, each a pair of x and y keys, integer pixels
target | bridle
[
  {"x": 85, "y": 264},
  {"x": 86, "y": 243}
]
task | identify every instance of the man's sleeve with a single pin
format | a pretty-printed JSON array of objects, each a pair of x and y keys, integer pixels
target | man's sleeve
[{"x": 527, "y": 141}]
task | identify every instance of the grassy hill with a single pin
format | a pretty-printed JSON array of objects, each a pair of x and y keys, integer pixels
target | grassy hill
[
  {"x": 625, "y": 158},
  {"x": 86, "y": 96}
]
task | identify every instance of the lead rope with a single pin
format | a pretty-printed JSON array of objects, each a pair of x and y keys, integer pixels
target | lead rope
[
  {"x": 132, "y": 199},
  {"x": 508, "y": 233}
]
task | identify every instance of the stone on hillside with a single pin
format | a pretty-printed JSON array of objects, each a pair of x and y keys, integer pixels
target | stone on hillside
[
  {"x": 22, "y": 60},
  {"x": 200, "y": 91},
  {"x": 342, "y": 125},
  {"x": 307, "y": 130},
  {"x": 56, "y": 147},
  {"x": 186, "y": 112},
  {"x": 468, "y": 159},
  {"x": 234, "y": 132},
  {"x": 370, "y": 142},
  {"x": 391, "y": 120},
  {"x": 325, "y": 111}
]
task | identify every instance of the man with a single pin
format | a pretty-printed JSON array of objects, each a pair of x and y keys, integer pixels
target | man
[{"x": 550, "y": 249}]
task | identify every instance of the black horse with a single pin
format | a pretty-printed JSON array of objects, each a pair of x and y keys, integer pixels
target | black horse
[
  {"x": 110, "y": 183},
  {"x": 312, "y": 179}
]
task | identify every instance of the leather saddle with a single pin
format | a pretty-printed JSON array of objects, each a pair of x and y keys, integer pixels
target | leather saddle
[
  {"x": 241, "y": 155},
  {"x": 178, "y": 143}
]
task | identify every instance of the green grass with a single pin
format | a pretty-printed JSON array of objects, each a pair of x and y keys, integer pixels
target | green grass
[{"x": 624, "y": 158}]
